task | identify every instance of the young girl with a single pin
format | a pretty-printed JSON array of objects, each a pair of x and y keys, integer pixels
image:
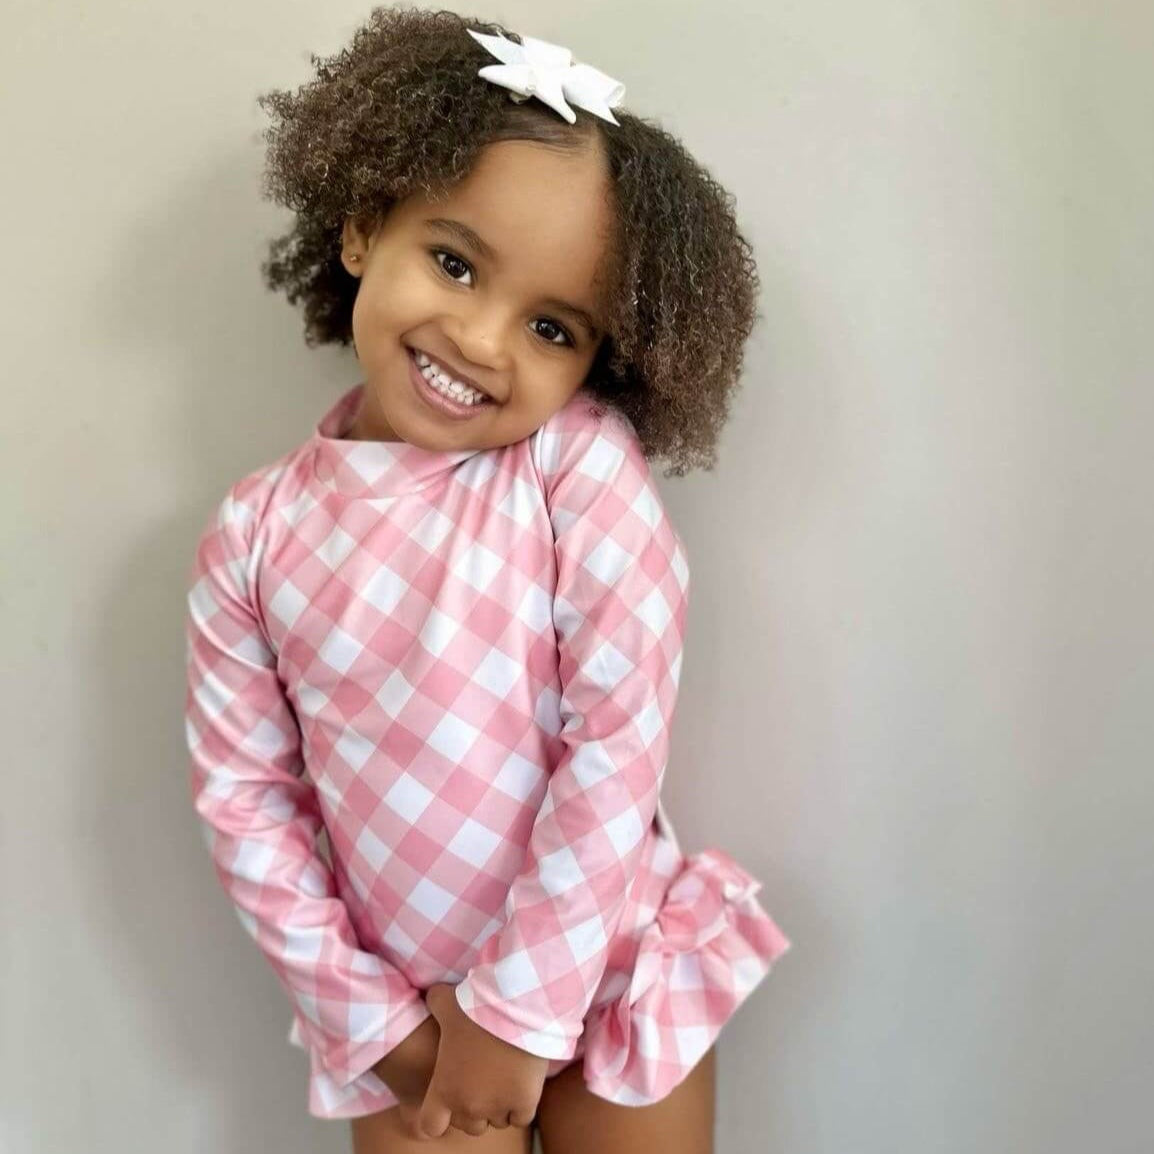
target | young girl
[{"x": 434, "y": 651}]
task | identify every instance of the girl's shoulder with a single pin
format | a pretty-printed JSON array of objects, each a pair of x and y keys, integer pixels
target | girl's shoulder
[
  {"x": 589, "y": 436},
  {"x": 247, "y": 501},
  {"x": 594, "y": 470}
]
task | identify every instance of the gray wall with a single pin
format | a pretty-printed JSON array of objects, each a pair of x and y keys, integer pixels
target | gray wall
[{"x": 917, "y": 692}]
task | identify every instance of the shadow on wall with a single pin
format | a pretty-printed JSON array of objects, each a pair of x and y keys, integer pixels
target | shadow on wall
[{"x": 213, "y": 1008}]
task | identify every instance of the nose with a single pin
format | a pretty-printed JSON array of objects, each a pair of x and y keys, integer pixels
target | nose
[{"x": 482, "y": 333}]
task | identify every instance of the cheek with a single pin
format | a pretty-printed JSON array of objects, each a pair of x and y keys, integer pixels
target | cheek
[
  {"x": 396, "y": 301},
  {"x": 374, "y": 314}
]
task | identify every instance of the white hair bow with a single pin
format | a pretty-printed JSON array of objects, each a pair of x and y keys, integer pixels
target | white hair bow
[{"x": 538, "y": 68}]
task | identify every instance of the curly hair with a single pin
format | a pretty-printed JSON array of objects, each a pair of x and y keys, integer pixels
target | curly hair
[{"x": 400, "y": 110}]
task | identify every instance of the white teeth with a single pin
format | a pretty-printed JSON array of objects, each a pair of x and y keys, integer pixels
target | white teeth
[{"x": 443, "y": 383}]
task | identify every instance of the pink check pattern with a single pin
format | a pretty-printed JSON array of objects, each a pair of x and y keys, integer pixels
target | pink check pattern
[{"x": 428, "y": 712}]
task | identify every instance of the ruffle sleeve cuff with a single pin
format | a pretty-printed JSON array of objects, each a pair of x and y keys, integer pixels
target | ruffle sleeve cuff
[
  {"x": 343, "y": 1069},
  {"x": 485, "y": 1006},
  {"x": 709, "y": 947}
]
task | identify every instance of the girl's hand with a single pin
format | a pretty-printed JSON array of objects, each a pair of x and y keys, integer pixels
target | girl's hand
[
  {"x": 407, "y": 1068},
  {"x": 479, "y": 1080}
]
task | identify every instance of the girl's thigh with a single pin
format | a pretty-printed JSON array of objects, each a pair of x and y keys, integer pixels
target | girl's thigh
[
  {"x": 571, "y": 1120},
  {"x": 383, "y": 1133}
]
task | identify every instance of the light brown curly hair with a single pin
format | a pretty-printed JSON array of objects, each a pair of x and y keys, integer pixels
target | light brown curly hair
[{"x": 401, "y": 110}]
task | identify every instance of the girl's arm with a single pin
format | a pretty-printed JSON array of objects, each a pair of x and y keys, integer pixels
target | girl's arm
[
  {"x": 619, "y": 615},
  {"x": 261, "y": 821}
]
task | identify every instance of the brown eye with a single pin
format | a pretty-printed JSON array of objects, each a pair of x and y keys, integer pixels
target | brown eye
[
  {"x": 553, "y": 325},
  {"x": 452, "y": 265}
]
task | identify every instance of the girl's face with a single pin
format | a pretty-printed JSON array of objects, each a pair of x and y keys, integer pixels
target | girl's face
[{"x": 498, "y": 285}]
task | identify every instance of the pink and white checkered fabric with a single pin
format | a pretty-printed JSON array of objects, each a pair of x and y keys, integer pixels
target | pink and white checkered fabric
[{"x": 428, "y": 712}]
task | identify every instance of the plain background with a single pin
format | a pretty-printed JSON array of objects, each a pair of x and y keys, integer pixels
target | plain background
[{"x": 917, "y": 696}]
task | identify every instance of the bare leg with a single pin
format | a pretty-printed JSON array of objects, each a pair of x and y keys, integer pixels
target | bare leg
[{"x": 574, "y": 1121}]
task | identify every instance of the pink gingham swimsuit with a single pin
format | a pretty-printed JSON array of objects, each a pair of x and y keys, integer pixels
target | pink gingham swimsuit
[{"x": 428, "y": 712}]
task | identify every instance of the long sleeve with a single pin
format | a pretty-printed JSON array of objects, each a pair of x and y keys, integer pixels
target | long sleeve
[
  {"x": 619, "y": 615},
  {"x": 261, "y": 820}
]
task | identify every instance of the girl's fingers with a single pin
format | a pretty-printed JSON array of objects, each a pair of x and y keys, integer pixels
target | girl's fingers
[
  {"x": 475, "y": 1127},
  {"x": 434, "y": 1117},
  {"x": 410, "y": 1119}
]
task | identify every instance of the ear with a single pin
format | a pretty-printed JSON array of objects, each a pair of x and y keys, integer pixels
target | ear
[{"x": 353, "y": 244}]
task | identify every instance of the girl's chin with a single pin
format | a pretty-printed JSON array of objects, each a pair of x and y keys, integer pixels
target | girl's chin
[{"x": 369, "y": 424}]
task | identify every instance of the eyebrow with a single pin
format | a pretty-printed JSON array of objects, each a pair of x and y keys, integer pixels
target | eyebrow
[{"x": 471, "y": 239}]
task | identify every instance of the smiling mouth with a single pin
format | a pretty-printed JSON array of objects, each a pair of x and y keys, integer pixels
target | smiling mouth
[
  {"x": 424, "y": 361},
  {"x": 450, "y": 398}
]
